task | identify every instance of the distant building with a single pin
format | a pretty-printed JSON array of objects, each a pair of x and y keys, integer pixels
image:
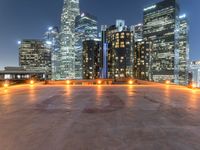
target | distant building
[
  {"x": 195, "y": 72},
  {"x": 35, "y": 56},
  {"x": 92, "y": 63},
  {"x": 51, "y": 38},
  {"x": 141, "y": 60},
  {"x": 118, "y": 44},
  {"x": 137, "y": 32},
  {"x": 183, "y": 50},
  {"x": 19, "y": 73},
  {"x": 161, "y": 26},
  {"x": 104, "y": 45},
  {"x": 67, "y": 40},
  {"x": 85, "y": 28}
]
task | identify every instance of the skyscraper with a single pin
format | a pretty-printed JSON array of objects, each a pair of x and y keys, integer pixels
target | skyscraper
[
  {"x": 161, "y": 22},
  {"x": 92, "y": 60},
  {"x": 51, "y": 38},
  {"x": 104, "y": 46},
  {"x": 85, "y": 29},
  {"x": 67, "y": 40},
  {"x": 141, "y": 60},
  {"x": 119, "y": 43},
  {"x": 183, "y": 50}
]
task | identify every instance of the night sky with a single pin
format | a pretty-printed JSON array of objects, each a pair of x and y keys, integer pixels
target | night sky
[{"x": 29, "y": 19}]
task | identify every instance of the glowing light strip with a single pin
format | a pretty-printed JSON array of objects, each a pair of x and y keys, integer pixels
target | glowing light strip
[
  {"x": 151, "y": 7},
  {"x": 182, "y": 16}
]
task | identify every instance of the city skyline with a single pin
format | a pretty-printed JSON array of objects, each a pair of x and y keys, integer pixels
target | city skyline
[
  {"x": 99, "y": 74},
  {"x": 21, "y": 30}
]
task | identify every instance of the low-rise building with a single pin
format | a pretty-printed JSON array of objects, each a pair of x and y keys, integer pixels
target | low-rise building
[
  {"x": 19, "y": 73},
  {"x": 195, "y": 73},
  {"x": 35, "y": 56}
]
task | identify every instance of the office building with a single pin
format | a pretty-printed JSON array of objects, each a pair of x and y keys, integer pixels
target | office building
[
  {"x": 92, "y": 62},
  {"x": 104, "y": 45},
  {"x": 160, "y": 26},
  {"x": 35, "y": 56},
  {"x": 141, "y": 60},
  {"x": 20, "y": 74},
  {"x": 137, "y": 32},
  {"x": 85, "y": 28},
  {"x": 119, "y": 44},
  {"x": 67, "y": 40},
  {"x": 183, "y": 50},
  {"x": 51, "y": 38}
]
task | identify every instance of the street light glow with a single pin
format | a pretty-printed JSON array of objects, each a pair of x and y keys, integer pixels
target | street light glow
[
  {"x": 32, "y": 82},
  {"x": 68, "y": 82},
  {"x": 168, "y": 82},
  {"x": 194, "y": 85},
  {"x": 130, "y": 82},
  {"x": 99, "y": 82},
  {"x": 5, "y": 85}
]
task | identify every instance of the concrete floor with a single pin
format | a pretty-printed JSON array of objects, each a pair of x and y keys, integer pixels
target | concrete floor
[{"x": 152, "y": 117}]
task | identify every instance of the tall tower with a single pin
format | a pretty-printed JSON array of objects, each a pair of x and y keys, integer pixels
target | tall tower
[
  {"x": 85, "y": 29},
  {"x": 161, "y": 22},
  {"x": 67, "y": 39},
  {"x": 183, "y": 50},
  {"x": 51, "y": 38},
  {"x": 119, "y": 39}
]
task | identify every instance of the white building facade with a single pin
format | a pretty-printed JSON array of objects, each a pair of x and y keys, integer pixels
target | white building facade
[{"x": 195, "y": 71}]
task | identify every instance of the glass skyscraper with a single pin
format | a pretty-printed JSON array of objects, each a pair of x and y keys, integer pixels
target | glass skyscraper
[
  {"x": 104, "y": 45},
  {"x": 51, "y": 38},
  {"x": 161, "y": 22},
  {"x": 85, "y": 29},
  {"x": 67, "y": 40},
  {"x": 183, "y": 50}
]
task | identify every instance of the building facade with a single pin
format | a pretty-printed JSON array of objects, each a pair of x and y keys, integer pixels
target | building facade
[
  {"x": 67, "y": 40},
  {"x": 119, "y": 44},
  {"x": 85, "y": 28},
  {"x": 51, "y": 38},
  {"x": 195, "y": 72},
  {"x": 183, "y": 50},
  {"x": 92, "y": 62},
  {"x": 161, "y": 23},
  {"x": 141, "y": 60},
  {"x": 35, "y": 56},
  {"x": 104, "y": 45},
  {"x": 137, "y": 32},
  {"x": 20, "y": 74}
]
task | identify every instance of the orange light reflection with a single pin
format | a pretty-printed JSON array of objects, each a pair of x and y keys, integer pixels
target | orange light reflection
[
  {"x": 99, "y": 95},
  {"x": 131, "y": 96}
]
